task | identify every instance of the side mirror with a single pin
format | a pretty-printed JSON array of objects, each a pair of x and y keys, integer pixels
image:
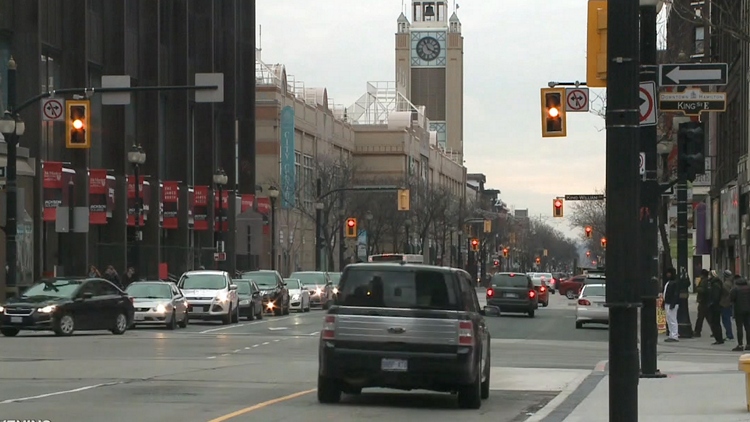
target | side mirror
[
  {"x": 87, "y": 295},
  {"x": 256, "y": 294},
  {"x": 232, "y": 287}
]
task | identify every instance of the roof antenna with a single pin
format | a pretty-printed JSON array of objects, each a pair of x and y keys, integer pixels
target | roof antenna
[
  {"x": 260, "y": 37},
  {"x": 403, "y": 6}
]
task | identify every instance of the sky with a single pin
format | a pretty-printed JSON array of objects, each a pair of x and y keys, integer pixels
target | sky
[{"x": 512, "y": 48}]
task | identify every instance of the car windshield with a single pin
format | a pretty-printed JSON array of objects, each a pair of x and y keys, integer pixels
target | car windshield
[
  {"x": 311, "y": 279},
  {"x": 510, "y": 280},
  {"x": 203, "y": 281},
  {"x": 293, "y": 284},
  {"x": 53, "y": 288},
  {"x": 243, "y": 287},
  {"x": 594, "y": 290},
  {"x": 262, "y": 279},
  {"x": 149, "y": 291},
  {"x": 421, "y": 289},
  {"x": 595, "y": 280}
]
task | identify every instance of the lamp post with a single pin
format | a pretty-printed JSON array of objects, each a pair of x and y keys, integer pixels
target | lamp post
[
  {"x": 407, "y": 242},
  {"x": 220, "y": 179},
  {"x": 137, "y": 157},
  {"x": 12, "y": 127},
  {"x": 369, "y": 218},
  {"x": 319, "y": 241},
  {"x": 273, "y": 194}
]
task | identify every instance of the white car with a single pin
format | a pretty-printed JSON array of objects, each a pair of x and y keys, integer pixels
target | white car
[
  {"x": 158, "y": 303},
  {"x": 210, "y": 295},
  {"x": 590, "y": 308},
  {"x": 299, "y": 295}
]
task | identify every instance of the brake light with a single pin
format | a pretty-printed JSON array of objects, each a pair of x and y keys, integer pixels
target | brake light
[
  {"x": 490, "y": 292},
  {"x": 466, "y": 333},
  {"x": 532, "y": 294},
  {"x": 542, "y": 289},
  {"x": 584, "y": 302},
  {"x": 329, "y": 328}
]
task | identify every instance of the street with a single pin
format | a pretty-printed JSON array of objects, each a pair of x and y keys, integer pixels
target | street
[{"x": 266, "y": 370}]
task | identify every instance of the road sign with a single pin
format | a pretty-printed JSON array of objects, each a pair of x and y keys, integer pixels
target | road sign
[
  {"x": 693, "y": 74},
  {"x": 642, "y": 163},
  {"x": 648, "y": 104},
  {"x": 116, "y": 81},
  {"x": 577, "y": 99},
  {"x": 587, "y": 197},
  {"x": 693, "y": 102},
  {"x": 213, "y": 95},
  {"x": 52, "y": 110}
]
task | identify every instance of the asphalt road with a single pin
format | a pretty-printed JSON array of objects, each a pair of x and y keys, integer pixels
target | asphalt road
[{"x": 266, "y": 370}]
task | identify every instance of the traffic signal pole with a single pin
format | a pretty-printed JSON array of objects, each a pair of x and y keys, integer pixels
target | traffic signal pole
[
  {"x": 650, "y": 195},
  {"x": 684, "y": 327},
  {"x": 623, "y": 186}
]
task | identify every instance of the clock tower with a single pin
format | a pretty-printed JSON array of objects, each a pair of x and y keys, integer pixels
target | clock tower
[{"x": 429, "y": 68}]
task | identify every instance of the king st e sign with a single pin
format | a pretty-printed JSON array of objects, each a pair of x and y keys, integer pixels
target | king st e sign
[{"x": 692, "y": 102}]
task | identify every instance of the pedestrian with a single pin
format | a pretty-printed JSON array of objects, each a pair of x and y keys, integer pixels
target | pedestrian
[
  {"x": 739, "y": 296},
  {"x": 726, "y": 305},
  {"x": 110, "y": 274},
  {"x": 701, "y": 290},
  {"x": 715, "y": 289},
  {"x": 94, "y": 272},
  {"x": 669, "y": 275},
  {"x": 128, "y": 277},
  {"x": 671, "y": 304}
]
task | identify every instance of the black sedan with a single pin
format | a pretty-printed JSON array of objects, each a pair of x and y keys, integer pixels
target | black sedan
[{"x": 64, "y": 305}]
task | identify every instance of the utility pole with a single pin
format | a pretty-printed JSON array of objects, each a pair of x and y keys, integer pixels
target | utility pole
[
  {"x": 684, "y": 327},
  {"x": 11, "y": 141},
  {"x": 650, "y": 195},
  {"x": 623, "y": 186}
]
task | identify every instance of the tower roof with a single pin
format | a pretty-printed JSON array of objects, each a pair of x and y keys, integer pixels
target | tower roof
[
  {"x": 454, "y": 18},
  {"x": 402, "y": 18}
]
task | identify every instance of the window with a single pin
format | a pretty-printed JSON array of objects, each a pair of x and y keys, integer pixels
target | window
[
  {"x": 510, "y": 280},
  {"x": 298, "y": 175},
  {"x": 699, "y": 39},
  {"x": 422, "y": 289},
  {"x": 308, "y": 177}
]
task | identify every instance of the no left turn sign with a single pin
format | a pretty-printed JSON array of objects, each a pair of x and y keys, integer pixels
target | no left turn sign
[
  {"x": 52, "y": 110},
  {"x": 647, "y": 92},
  {"x": 577, "y": 99}
]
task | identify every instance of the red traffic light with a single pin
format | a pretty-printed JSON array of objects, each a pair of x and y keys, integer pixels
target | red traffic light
[
  {"x": 558, "y": 203},
  {"x": 588, "y": 229},
  {"x": 350, "y": 222},
  {"x": 474, "y": 242}
]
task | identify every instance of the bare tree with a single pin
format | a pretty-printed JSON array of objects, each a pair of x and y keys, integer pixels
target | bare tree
[
  {"x": 386, "y": 227},
  {"x": 560, "y": 249},
  {"x": 428, "y": 203},
  {"x": 590, "y": 214},
  {"x": 725, "y": 16}
]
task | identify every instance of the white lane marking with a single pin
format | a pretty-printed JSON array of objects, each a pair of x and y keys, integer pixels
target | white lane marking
[
  {"x": 225, "y": 354},
  {"x": 211, "y": 357},
  {"x": 236, "y": 351},
  {"x": 247, "y": 348},
  {"x": 314, "y": 334},
  {"x": 59, "y": 393},
  {"x": 265, "y": 343},
  {"x": 277, "y": 328},
  {"x": 256, "y": 345},
  {"x": 265, "y": 321},
  {"x": 558, "y": 400},
  {"x": 276, "y": 341}
]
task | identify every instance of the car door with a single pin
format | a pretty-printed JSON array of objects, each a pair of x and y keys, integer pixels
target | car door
[
  {"x": 109, "y": 302},
  {"x": 83, "y": 308},
  {"x": 178, "y": 301}
]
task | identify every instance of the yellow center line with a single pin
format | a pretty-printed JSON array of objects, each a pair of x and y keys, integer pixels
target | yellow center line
[{"x": 259, "y": 406}]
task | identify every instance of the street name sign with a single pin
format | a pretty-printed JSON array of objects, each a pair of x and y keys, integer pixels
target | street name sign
[
  {"x": 587, "y": 197},
  {"x": 692, "y": 102},
  {"x": 677, "y": 74}
]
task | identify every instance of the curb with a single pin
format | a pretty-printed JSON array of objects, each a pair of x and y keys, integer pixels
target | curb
[{"x": 570, "y": 397}]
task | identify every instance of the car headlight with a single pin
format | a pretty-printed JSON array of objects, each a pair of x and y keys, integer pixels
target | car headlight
[
  {"x": 222, "y": 296},
  {"x": 47, "y": 309},
  {"x": 295, "y": 297},
  {"x": 2, "y": 309},
  {"x": 335, "y": 290},
  {"x": 160, "y": 308},
  {"x": 318, "y": 291}
]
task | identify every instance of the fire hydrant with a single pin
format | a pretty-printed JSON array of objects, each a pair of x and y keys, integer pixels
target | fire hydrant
[{"x": 744, "y": 366}]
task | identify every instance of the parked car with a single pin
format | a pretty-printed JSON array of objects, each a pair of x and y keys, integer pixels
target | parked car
[
  {"x": 65, "y": 305},
  {"x": 428, "y": 333},
  {"x": 274, "y": 293},
  {"x": 513, "y": 292},
  {"x": 158, "y": 303},
  {"x": 299, "y": 294},
  {"x": 211, "y": 295},
  {"x": 590, "y": 307},
  {"x": 320, "y": 285},
  {"x": 251, "y": 302},
  {"x": 571, "y": 287}
]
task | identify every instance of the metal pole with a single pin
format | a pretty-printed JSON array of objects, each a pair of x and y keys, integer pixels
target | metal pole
[
  {"x": 649, "y": 249},
  {"x": 138, "y": 233},
  {"x": 220, "y": 228},
  {"x": 341, "y": 232},
  {"x": 319, "y": 241},
  {"x": 273, "y": 233},
  {"x": 622, "y": 181},
  {"x": 11, "y": 225},
  {"x": 685, "y": 328}
]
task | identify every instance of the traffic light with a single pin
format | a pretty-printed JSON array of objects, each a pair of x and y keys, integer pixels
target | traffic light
[
  {"x": 596, "y": 44},
  {"x": 553, "y": 112},
  {"x": 589, "y": 231},
  {"x": 691, "y": 148},
  {"x": 496, "y": 262},
  {"x": 77, "y": 133},
  {"x": 538, "y": 260},
  {"x": 557, "y": 207},
  {"x": 475, "y": 245},
  {"x": 403, "y": 200},
  {"x": 604, "y": 242},
  {"x": 351, "y": 227},
  {"x": 505, "y": 252}
]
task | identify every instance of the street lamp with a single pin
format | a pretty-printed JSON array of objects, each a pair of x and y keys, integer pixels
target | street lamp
[
  {"x": 319, "y": 241},
  {"x": 220, "y": 179},
  {"x": 407, "y": 243},
  {"x": 369, "y": 218},
  {"x": 273, "y": 194},
  {"x": 137, "y": 157}
]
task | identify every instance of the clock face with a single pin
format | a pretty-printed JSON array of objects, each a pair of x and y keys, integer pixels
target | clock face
[{"x": 428, "y": 49}]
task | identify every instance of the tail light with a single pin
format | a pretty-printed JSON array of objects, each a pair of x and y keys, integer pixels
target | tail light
[
  {"x": 542, "y": 289},
  {"x": 490, "y": 293},
  {"x": 466, "y": 333},
  {"x": 329, "y": 328},
  {"x": 584, "y": 302},
  {"x": 532, "y": 294}
]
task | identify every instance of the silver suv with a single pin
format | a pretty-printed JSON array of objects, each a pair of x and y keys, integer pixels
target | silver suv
[{"x": 210, "y": 295}]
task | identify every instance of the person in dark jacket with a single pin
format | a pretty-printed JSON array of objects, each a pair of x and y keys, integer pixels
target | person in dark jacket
[
  {"x": 111, "y": 275},
  {"x": 715, "y": 292},
  {"x": 701, "y": 290},
  {"x": 128, "y": 277},
  {"x": 726, "y": 306},
  {"x": 739, "y": 296},
  {"x": 671, "y": 305}
]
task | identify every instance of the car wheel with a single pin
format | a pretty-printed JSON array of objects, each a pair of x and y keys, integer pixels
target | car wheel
[
  {"x": 121, "y": 324},
  {"x": 227, "y": 319},
  {"x": 278, "y": 311},
  {"x": 328, "y": 390},
  {"x": 185, "y": 320},
  {"x": 531, "y": 313},
  {"x": 172, "y": 324},
  {"x": 470, "y": 396},
  {"x": 9, "y": 332},
  {"x": 236, "y": 315},
  {"x": 308, "y": 306},
  {"x": 251, "y": 315},
  {"x": 259, "y": 315},
  {"x": 545, "y": 304},
  {"x": 286, "y": 308},
  {"x": 579, "y": 325},
  {"x": 570, "y": 294},
  {"x": 64, "y": 325},
  {"x": 486, "y": 383}
]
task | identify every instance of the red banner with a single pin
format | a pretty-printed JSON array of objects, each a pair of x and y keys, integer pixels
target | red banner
[
  {"x": 98, "y": 193},
  {"x": 246, "y": 202},
  {"x": 224, "y": 215},
  {"x": 264, "y": 208},
  {"x": 200, "y": 208},
  {"x": 170, "y": 198},
  {"x": 131, "y": 200},
  {"x": 53, "y": 189}
]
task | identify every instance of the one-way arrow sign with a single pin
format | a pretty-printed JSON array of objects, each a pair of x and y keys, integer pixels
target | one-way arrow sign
[{"x": 693, "y": 74}]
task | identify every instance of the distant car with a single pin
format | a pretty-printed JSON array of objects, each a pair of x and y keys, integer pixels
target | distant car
[
  {"x": 513, "y": 292},
  {"x": 571, "y": 287},
  {"x": 158, "y": 303},
  {"x": 251, "y": 302},
  {"x": 320, "y": 285},
  {"x": 210, "y": 295},
  {"x": 299, "y": 294},
  {"x": 66, "y": 305},
  {"x": 590, "y": 307},
  {"x": 274, "y": 293},
  {"x": 542, "y": 288}
]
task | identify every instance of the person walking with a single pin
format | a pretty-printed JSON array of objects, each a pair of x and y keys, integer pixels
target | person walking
[
  {"x": 726, "y": 305},
  {"x": 671, "y": 305},
  {"x": 739, "y": 296},
  {"x": 128, "y": 277},
  {"x": 715, "y": 291},
  {"x": 701, "y": 290},
  {"x": 110, "y": 274}
]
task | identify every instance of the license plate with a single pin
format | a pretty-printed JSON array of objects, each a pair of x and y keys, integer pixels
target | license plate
[
  {"x": 198, "y": 309},
  {"x": 511, "y": 295},
  {"x": 139, "y": 317},
  {"x": 394, "y": 365},
  {"x": 16, "y": 319}
]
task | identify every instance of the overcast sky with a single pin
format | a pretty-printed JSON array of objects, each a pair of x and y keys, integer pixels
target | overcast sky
[{"x": 512, "y": 48}]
